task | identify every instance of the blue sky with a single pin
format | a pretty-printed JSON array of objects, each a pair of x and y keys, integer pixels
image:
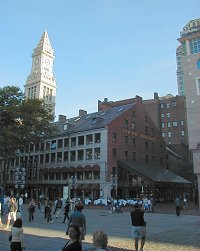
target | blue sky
[{"x": 104, "y": 48}]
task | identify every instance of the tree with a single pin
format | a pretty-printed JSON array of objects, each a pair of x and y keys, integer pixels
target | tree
[{"x": 22, "y": 122}]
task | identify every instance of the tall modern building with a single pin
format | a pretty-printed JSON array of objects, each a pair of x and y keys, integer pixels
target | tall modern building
[
  {"x": 188, "y": 78},
  {"x": 41, "y": 83}
]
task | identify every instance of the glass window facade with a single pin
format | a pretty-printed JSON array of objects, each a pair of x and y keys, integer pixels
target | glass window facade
[{"x": 195, "y": 45}]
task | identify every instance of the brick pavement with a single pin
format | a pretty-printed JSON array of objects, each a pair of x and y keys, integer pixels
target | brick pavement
[{"x": 165, "y": 231}]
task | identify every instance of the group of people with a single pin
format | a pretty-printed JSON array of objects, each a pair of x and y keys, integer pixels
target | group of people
[{"x": 76, "y": 226}]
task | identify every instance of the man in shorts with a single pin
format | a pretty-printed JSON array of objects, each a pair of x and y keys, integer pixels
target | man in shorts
[{"x": 138, "y": 226}]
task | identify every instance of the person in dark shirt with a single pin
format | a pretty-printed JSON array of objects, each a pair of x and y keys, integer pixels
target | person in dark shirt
[{"x": 138, "y": 226}]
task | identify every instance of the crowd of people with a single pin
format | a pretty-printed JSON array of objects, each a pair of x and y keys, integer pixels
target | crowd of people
[{"x": 76, "y": 221}]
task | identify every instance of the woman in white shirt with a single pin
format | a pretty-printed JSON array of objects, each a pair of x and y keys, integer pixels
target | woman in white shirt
[{"x": 17, "y": 242}]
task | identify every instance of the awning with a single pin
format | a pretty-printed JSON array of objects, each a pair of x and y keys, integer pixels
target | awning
[{"x": 154, "y": 174}]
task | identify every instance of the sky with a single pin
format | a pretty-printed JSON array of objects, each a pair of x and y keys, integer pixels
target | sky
[{"x": 113, "y": 49}]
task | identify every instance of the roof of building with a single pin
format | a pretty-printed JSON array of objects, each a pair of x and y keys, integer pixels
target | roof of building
[
  {"x": 155, "y": 174},
  {"x": 93, "y": 121}
]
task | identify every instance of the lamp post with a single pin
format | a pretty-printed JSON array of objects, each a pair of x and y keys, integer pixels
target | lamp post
[
  {"x": 20, "y": 177},
  {"x": 73, "y": 184},
  {"x": 114, "y": 183}
]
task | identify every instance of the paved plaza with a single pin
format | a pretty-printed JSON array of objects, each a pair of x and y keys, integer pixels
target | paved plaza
[{"x": 165, "y": 231}]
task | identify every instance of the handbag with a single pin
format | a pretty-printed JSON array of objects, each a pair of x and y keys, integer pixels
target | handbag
[{"x": 10, "y": 238}]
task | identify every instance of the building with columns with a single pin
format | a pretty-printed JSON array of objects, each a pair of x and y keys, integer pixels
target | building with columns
[
  {"x": 41, "y": 83},
  {"x": 188, "y": 79}
]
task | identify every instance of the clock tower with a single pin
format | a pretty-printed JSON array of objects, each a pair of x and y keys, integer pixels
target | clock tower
[{"x": 41, "y": 83}]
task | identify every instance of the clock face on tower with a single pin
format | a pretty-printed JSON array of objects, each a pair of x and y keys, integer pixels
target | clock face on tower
[
  {"x": 36, "y": 61},
  {"x": 47, "y": 62}
]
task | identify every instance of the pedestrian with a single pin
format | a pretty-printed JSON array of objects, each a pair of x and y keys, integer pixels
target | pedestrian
[
  {"x": 100, "y": 241},
  {"x": 178, "y": 205},
  {"x": 31, "y": 209},
  {"x": 20, "y": 203},
  {"x": 77, "y": 218},
  {"x": 58, "y": 208},
  {"x": 74, "y": 242},
  {"x": 12, "y": 211},
  {"x": 66, "y": 210},
  {"x": 138, "y": 226},
  {"x": 48, "y": 212},
  {"x": 17, "y": 241}
]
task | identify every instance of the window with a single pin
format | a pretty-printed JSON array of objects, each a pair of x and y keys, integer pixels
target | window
[
  {"x": 126, "y": 139},
  {"x": 73, "y": 141},
  {"x": 88, "y": 153},
  {"x": 59, "y": 157},
  {"x": 114, "y": 152},
  {"x": 168, "y": 124},
  {"x": 80, "y": 140},
  {"x": 97, "y": 137},
  {"x": 60, "y": 143},
  {"x": 163, "y": 134},
  {"x": 46, "y": 158},
  {"x": 133, "y": 114},
  {"x": 134, "y": 141},
  {"x": 198, "y": 86},
  {"x": 153, "y": 159},
  {"x": 168, "y": 114},
  {"x": 80, "y": 154},
  {"x": 167, "y": 105},
  {"x": 182, "y": 122},
  {"x": 169, "y": 134},
  {"x": 126, "y": 123},
  {"x": 58, "y": 176},
  {"x": 146, "y": 144},
  {"x": 66, "y": 142},
  {"x": 163, "y": 125},
  {"x": 72, "y": 155},
  {"x": 182, "y": 133},
  {"x": 114, "y": 138},
  {"x": 161, "y": 106},
  {"x": 133, "y": 126},
  {"x": 96, "y": 175},
  {"x": 79, "y": 175},
  {"x": 146, "y": 130},
  {"x": 41, "y": 159},
  {"x": 147, "y": 159},
  {"x": 194, "y": 45},
  {"x": 198, "y": 64},
  {"x": 89, "y": 139},
  {"x": 53, "y": 157},
  {"x": 173, "y": 103},
  {"x": 126, "y": 155},
  {"x": 88, "y": 175},
  {"x": 174, "y": 123},
  {"x": 66, "y": 158},
  {"x": 97, "y": 153},
  {"x": 162, "y": 115},
  {"x": 134, "y": 156}
]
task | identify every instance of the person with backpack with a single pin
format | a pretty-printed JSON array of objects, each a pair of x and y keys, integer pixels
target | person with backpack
[
  {"x": 58, "y": 208},
  {"x": 31, "y": 210}
]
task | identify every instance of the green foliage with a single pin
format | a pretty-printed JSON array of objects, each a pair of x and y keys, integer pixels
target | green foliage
[{"x": 22, "y": 121}]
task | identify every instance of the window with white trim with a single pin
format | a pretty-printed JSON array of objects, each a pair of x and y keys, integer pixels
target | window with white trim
[{"x": 174, "y": 123}]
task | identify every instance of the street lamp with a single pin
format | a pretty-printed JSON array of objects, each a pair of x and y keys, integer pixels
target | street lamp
[
  {"x": 73, "y": 184},
  {"x": 114, "y": 183}
]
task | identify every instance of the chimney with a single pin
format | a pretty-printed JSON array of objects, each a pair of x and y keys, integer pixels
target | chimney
[
  {"x": 62, "y": 118},
  {"x": 82, "y": 112}
]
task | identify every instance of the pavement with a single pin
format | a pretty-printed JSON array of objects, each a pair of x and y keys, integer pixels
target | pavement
[{"x": 165, "y": 231}]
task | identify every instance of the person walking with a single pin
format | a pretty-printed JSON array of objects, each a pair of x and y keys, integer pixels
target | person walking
[
  {"x": 100, "y": 241},
  {"x": 178, "y": 205},
  {"x": 48, "y": 212},
  {"x": 77, "y": 218},
  {"x": 58, "y": 208},
  {"x": 17, "y": 241},
  {"x": 74, "y": 242},
  {"x": 138, "y": 226},
  {"x": 31, "y": 210},
  {"x": 12, "y": 211},
  {"x": 66, "y": 210}
]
